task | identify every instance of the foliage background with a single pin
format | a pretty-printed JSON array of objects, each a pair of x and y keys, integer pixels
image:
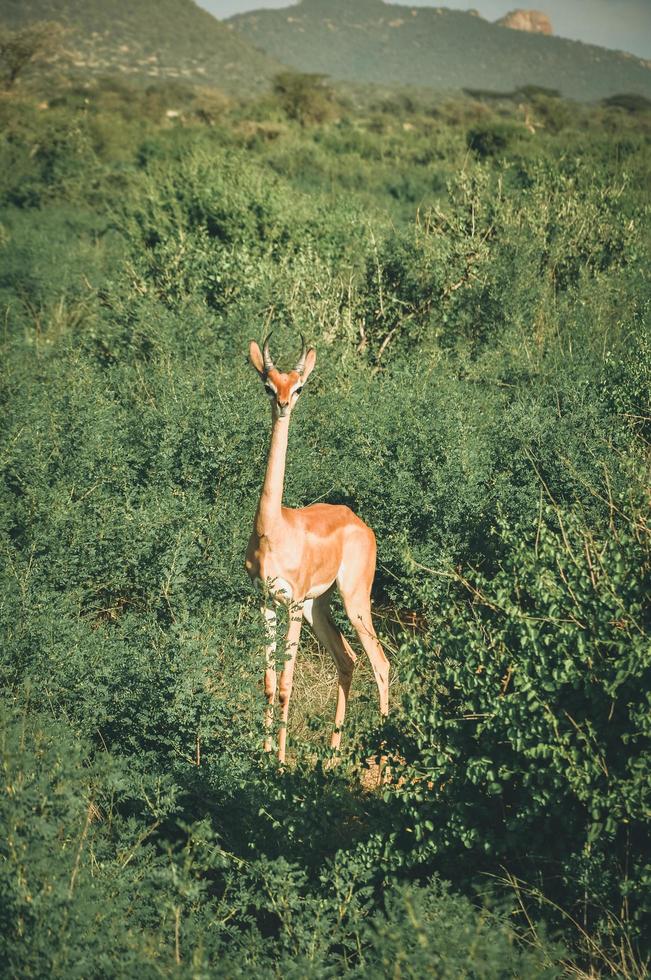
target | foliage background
[{"x": 477, "y": 295}]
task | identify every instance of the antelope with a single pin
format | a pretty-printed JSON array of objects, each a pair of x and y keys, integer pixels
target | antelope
[{"x": 299, "y": 555}]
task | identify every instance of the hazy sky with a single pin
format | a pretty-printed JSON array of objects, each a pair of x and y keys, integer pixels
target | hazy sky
[{"x": 623, "y": 24}]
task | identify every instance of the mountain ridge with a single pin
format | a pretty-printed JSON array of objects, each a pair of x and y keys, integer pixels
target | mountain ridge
[{"x": 435, "y": 47}]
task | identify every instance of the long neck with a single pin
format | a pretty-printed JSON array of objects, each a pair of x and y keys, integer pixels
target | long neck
[{"x": 271, "y": 497}]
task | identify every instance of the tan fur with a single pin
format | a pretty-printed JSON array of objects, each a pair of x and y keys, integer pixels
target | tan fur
[{"x": 298, "y": 555}]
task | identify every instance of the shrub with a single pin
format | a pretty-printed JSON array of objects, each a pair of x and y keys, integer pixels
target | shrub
[
  {"x": 493, "y": 140},
  {"x": 304, "y": 97},
  {"x": 524, "y": 728}
]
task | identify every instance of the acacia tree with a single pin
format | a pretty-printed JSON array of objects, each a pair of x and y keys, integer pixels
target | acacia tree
[
  {"x": 304, "y": 97},
  {"x": 20, "y": 48}
]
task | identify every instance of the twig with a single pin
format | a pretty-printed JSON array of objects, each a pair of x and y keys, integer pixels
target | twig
[{"x": 75, "y": 871}]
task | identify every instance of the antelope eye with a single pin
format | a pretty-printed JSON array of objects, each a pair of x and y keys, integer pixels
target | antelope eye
[
  {"x": 297, "y": 391},
  {"x": 269, "y": 390}
]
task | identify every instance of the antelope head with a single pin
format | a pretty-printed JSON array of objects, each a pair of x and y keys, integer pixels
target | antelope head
[{"x": 282, "y": 389}]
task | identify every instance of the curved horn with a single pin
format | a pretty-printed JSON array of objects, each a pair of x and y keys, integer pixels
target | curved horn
[
  {"x": 266, "y": 356},
  {"x": 300, "y": 365}
]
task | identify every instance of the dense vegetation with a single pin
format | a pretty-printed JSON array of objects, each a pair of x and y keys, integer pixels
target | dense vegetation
[
  {"x": 400, "y": 44},
  {"x": 473, "y": 278}
]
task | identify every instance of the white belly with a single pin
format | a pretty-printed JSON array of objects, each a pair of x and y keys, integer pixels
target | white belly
[
  {"x": 277, "y": 589},
  {"x": 318, "y": 590},
  {"x": 280, "y": 590}
]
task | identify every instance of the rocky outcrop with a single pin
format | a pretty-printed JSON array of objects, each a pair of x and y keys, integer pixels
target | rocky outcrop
[{"x": 532, "y": 21}]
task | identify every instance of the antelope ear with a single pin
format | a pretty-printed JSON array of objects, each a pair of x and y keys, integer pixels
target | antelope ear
[
  {"x": 255, "y": 356},
  {"x": 310, "y": 361}
]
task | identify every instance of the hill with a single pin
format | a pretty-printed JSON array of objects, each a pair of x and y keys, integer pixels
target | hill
[
  {"x": 370, "y": 41},
  {"x": 151, "y": 40}
]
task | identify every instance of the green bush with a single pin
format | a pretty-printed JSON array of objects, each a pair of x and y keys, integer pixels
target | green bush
[
  {"x": 100, "y": 875},
  {"x": 524, "y": 731},
  {"x": 304, "y": 97}
]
